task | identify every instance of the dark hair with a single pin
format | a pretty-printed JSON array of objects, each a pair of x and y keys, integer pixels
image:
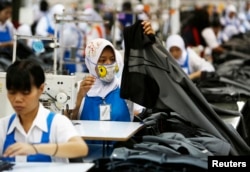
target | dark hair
[
  {"x": 5, "y": 4},
  {"x": 126, "y": 6},
  {"x": 44, "y": 5},
  {"x": 21, "y": 75},
  {"x": 215, "y": 23}
]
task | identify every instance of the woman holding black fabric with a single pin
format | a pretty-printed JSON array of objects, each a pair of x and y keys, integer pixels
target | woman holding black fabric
[{"x": 99, "y": 93}]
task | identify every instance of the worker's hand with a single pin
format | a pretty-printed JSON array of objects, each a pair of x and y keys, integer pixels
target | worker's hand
[
  {"x": 85, "y": 85},
  {"x": 19, "y": 149},
  {"x": 7, "y": 44},
  {"x": 72, "y": 114},
  {"x": 147, "y": 28},
  {"x": 67, "y": 112}
]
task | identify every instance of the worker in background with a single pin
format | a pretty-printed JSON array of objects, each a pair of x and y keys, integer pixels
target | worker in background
[
  {"x": 39, "y": 11},
  {"x": 98, "y": 97},
  {"x": 46, "y": 25},
  {"x": 230, "y": 22},
  {"x": 72, "y": 41},
  {"x": 192, "y": 64},
  {"x": 7, "y": 28},
  {"x": 214, "y": 38}
]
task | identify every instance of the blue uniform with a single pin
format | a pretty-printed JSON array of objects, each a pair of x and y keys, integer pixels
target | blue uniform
[
  {"x": 5, "y": 36},
  {"x": 10, "y": 139},
  {"x": 50, "y": 29},
  {"x": 185, "y": 66},
  {"x": 119, "y": 108}
]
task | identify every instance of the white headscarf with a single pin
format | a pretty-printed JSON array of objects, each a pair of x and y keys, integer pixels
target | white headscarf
[
  {"x": 56, "y": 9},
  {"x": 177, "y": 41},
  {"x": 230, "y": 9},
  {"x": 93, "y": 51}
]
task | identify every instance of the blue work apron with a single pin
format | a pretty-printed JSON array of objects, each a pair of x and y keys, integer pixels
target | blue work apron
[
  {"x": 119, "y": 111},
  {"x": 185, "y": 66},
  {"x": 50, "y": 30},
  {"x": 5, "y": 36},
  {"x": 119, "y": 108},
  {"x": 10, "y": 139}
]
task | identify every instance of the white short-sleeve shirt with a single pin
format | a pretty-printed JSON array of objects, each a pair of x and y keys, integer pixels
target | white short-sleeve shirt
[
  {"x": 61, "y": 131},
  {"x": 196, "y": 63},
  {"x": 210, "y": 38}
]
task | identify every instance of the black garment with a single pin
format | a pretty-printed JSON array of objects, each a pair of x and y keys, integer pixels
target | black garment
[
  {"x": 5, "y": 165},
  {"x": 153, "y": 79},
  {"x": 131, "y": 160}
]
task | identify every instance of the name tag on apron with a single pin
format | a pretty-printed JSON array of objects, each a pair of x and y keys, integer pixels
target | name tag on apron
[{"x": 105, "y": 111}]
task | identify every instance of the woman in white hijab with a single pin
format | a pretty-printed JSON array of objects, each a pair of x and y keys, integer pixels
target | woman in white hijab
[
  {"x": 231, "y": 22},
  {"x": 101, "y": 89},
  {"x": 46, "y": 24},
  {"x": 189, "y": 61},
  {"x": 99, "y": 93},
  {"x": 98, "y": 97}
]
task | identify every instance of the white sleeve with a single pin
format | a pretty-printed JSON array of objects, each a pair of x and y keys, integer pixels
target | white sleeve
[
  {"x": 83, "y": 100},
  {"x": 197, "y": 63},
  {"x": 223, "y": 21},
  {"x": 230, "y": 30},
  {"x": 210, "y": 38},
  {"x": 41, "y": 28},
  {"x": 138, "y": 108},
  {"x": 11, "y": 28},
  {"x": 132, "y": 107},
  {"x": 4, "y": 121},
  {"x": 63, "y": 129}
]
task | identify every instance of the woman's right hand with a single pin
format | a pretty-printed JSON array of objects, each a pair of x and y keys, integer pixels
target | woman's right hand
[
  {"x": 85, "y": 85},
  {"x": 20, "y": 149}
]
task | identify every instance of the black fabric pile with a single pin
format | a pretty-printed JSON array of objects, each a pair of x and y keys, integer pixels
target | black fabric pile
[
  {"x": 153, "y": 79},
  {"x": 4, "y": 165}
]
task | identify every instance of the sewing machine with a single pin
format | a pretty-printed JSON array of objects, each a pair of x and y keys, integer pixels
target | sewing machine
[{"x": 59, "y": 92}]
